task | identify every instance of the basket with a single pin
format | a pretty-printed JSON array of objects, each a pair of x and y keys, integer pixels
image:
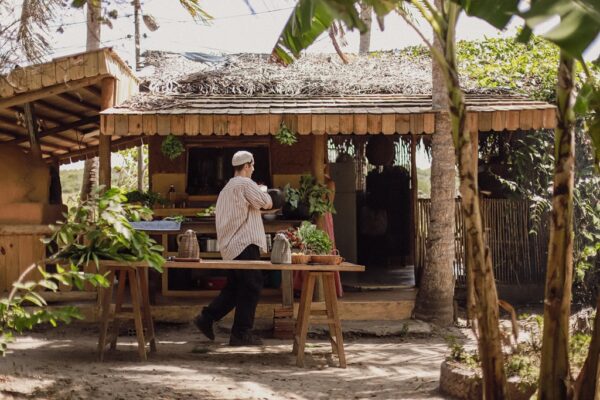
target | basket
[
  {"x": 301, "y": 258},
  {"x": 327, "y": 259}
]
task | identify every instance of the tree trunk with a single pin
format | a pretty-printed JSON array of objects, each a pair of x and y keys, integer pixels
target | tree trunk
[
  {"x": 555, "y": 374},
  {"x": 366, "y": 12},
  {"x": 436, "y": 289},
  {"x": 586, "y": 386},
  {"x": 478, "y": 256},
  {"x": 90, "y": 166}
]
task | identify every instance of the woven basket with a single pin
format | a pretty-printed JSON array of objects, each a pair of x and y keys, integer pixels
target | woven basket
[
  {"x": 301, "y": 258},
  {"x": 326, "y": 259}
]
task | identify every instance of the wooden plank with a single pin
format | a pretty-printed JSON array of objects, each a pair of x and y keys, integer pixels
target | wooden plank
[
  {"x": 473, "y": 122},
  {"x": 274, "y": 123},
  {"x": 109, "y": 125},
  {"x": 6, "y": 89},
  {"x": 538, "y": 116},
  {"x": 499, "y": 121},
  {"x": 192, "y": 124},
  {"x": 206, "y": 124},
  {"x": 319, "y": 124},
  {"x": 135, "y": 124},
  {"x": 163, "y": 124},
  {"x": 304, "y": 124},
  {"x": 48, "y": 74},
  {"x": 76, "y": 67},
  {"x": 485, "y": 121},
  {"x": 220, "y": 124},
  {"x": 549, "y": 118},
  {"x": 526, "y": 119},
  {"x": 10, "y": 249},
  {"x": 388, "y": 124},
  {"x": 428, "y": 123},
  {"x": 403, "y": 123},
  {"x": 346, "y": 123},
  {"x": 245, "y": 265},
  {"x": 332, "y": 124},
  {"x": 177, "y": 124},
  {"x": 248, "y": 124},
  {"x": 29, "y": 253},
  {"x": 18, "y": 78},
  {"x": 373, "y": 123},
  {"x": 4, "y": 284},
  {"x": 360, "y": 124},
  {"x": 63, "y": 73},
  {"x": 121, "y": 125},
  {"x": 34, "y": 77},
  {"x": 90, "y": 64},
  {"x": 512, "y": 120},
  {"x": 262, "y": 124},
  {"x": 234, "y": 124},
  {"x": 149, "y": 124},
  {"x": 417, "y": 122}
]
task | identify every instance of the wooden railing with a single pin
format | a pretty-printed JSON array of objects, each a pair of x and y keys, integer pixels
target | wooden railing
[{"x": 518, "y": 255}]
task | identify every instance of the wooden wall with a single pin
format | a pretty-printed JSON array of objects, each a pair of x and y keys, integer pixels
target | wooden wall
[{"x": 18, "y": 250}]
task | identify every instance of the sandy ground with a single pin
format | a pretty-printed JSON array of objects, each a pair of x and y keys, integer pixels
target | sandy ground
[{"x": 61, "y": 364}]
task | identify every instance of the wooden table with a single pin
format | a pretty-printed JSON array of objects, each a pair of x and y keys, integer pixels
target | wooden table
[{"x": 136, "y": 272}]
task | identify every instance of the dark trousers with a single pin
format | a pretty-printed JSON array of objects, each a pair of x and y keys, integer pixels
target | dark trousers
[{"x": 241, "y": 292}]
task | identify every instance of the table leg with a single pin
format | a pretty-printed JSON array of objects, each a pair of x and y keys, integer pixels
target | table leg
[
  {"x": 134, "y": 286},
  {"x": 106, "y": 299},
  {"x": 304, "y": 317},
  {"x": 118, "y": 307},
  {"x": 287, "y": 289},
  {"x": 147, "y": 313},
  {"x": 329, "y": 311},
  {"x": 336, "y": 318}
]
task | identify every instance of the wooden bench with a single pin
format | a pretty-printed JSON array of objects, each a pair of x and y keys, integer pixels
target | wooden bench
[{"x": 137, "y": 274}]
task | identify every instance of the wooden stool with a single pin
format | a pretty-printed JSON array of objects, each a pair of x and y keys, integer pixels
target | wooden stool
[
  {"x": 329, "y": 316},
  {"x": 139, "y": 311}
]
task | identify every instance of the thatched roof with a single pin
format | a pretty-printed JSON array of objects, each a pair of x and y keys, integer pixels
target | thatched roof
[{"x": 312, "y": 75}]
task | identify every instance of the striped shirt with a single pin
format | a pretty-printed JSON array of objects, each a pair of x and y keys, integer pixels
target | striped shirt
[{"x": 238, "y": 218}]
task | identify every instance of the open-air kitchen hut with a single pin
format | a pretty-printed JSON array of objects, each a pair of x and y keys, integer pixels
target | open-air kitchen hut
[{"x": 241, "y": 100}]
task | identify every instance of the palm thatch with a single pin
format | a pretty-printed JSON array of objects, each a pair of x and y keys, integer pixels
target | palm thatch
[{"x": 312, "y": 75}]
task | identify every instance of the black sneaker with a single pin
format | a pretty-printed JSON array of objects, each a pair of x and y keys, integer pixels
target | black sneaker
[
  {"x": 246, "y": 339},
  {"x": 205, "y": 325}
]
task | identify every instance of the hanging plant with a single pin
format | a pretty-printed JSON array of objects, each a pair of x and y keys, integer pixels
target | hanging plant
[
  {"x": 172, "y": 147},
  {"x": 285, "y": 135}
]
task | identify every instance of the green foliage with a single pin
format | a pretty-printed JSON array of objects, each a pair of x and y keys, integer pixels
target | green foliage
[
  {"x": 505, "y": 63},
  {"x": 25, "y": 308},
  {"x": 459, "y": 354},
  {"x": 311, "y": 193},
  {"x": 172, "y": 147},
  {"x": 208, "y": 212},
  {"x": 125, "y": 171},
  {"x": 99, "y": 229},
  {"x": 285, "y": 136},
  {"x": 314, "y": 239},
  {"x": 147, "y": 199}
]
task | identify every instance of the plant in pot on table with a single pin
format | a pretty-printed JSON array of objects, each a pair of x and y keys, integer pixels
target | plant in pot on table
[{"x": 310, "y": 200}]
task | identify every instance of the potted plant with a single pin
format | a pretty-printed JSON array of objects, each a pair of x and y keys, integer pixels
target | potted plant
[
  {"x": 310, "y": 200},
  {"x": 146, "y": 199},
  {"x": 99, "y": 229}
]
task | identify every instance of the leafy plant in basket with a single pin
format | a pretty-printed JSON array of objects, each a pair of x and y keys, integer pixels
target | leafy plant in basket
[
  {"x": 147, "y": 199},
  {"x": 309, "y": 200},
  {"x": 314, "y": 240},
  {"x": 172, "y": 147},
  {"x": 99, "y": 229},
  {"x": 285, "y": 135}
]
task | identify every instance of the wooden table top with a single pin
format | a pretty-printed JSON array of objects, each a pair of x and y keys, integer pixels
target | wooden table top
[{"x": 243, "y": 264}]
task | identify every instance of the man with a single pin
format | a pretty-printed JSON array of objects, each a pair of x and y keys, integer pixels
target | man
[{"x": 240, "y": 236}]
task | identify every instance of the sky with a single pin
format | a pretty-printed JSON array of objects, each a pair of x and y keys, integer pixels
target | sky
[{"x": 237, "y": 26}]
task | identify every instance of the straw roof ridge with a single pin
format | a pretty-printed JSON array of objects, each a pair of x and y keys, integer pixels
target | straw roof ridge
[{"x": 171, "y": 77}]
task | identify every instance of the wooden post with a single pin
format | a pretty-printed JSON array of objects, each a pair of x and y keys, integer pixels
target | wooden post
[
  {"x": 32, "y": 130},
  {"x": 475, "y": 155},
  {"x": 414, "y": 198},
  {"x": 106, "y": 101},
  {"x": 318, "y": 171},
  {"x": 474, "y": 132}
]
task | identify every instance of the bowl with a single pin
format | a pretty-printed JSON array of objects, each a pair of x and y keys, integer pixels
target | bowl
[{"x": 270, "y": 217}]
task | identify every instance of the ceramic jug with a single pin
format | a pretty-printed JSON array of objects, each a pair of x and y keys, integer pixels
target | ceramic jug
[
  {"x": 187, "y": 245},
  {"x": 281, "y": 253}
]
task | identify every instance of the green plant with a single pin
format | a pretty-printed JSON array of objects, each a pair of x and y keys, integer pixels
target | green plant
[
  {"x": 285, "y": 136},
  {"x": 147, "y": 199},
  {"x": 99, "y": 229},
  {"x": 314, "y": 239},
  {"x": 172, "y": 147},
  {"x": 208, "y": 212},
  {"x": 314, "y": 195}
]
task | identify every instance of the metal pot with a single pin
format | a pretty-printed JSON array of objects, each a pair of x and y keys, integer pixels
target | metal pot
[{"x": 212, "y": 245}]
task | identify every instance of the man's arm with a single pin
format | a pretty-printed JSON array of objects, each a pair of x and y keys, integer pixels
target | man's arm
[{"x": 256, "y": 197}]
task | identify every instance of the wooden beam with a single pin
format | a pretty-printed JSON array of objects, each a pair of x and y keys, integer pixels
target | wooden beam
[
  {"x": 34, "y": 95},
  {"x": 414, "y": 197},
  {"x": 64, "y": 111},
  {"x": 106, "y": 101},
  {"x": 62, "y": 128},
  {"x": 92, "y": 150},
  {"x": 318, "y": 171},
  {"x": 77, "y": 101},
  {"x": 32, "y": 129}
]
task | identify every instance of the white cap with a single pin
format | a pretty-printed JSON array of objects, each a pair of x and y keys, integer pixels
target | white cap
[{"x": 241, "y": 158}]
